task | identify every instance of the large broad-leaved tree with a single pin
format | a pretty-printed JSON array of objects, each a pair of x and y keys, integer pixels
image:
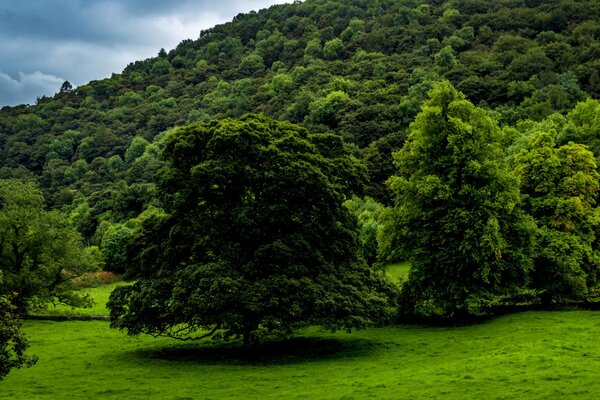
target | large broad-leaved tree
[
  {"x": 254, "y": 241},
  {"x": 456, "y": 217}
]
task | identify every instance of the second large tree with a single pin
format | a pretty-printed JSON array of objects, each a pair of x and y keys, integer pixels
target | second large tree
[{"x": 457, "y": 216}]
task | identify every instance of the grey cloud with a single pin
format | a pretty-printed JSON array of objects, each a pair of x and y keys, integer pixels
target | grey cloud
[
  {"x": 84, "y": 40},
  {"x": 27, "y": 87}
]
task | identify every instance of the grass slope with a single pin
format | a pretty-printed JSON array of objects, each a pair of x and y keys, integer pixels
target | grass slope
[{"x": 526, "y": 356}]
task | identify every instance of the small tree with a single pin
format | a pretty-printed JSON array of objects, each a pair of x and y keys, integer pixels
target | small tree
[
  {"x": 255, "y": 240},
  {"x": 40, "y": 252},
  {"x": 66, "y": 87},
  {"x": 457, "y": 217}
]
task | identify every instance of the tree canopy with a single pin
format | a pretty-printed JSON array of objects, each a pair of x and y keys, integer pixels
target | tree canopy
[
  {"x": 360, "y": 68},
  {"x": 560, "y": 187},
  {"x": 40, "y": 252},
  {"x": 457, "y": 216},
  {"x": 255, "y": 240}
]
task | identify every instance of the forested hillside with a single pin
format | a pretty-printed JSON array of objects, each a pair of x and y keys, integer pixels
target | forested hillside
[{"x": 359, "y": 68}]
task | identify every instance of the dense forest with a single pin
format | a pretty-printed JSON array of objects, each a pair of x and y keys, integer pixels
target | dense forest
[{"x": 361, "y": 69}]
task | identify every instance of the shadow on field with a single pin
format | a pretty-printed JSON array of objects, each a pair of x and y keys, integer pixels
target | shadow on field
[{"x": 295, "y": 350}]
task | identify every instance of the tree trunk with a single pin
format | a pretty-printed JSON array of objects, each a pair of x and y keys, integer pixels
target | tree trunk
[
  {"x": 20, "y": 304},
  {"x": 250, "y": 338}
]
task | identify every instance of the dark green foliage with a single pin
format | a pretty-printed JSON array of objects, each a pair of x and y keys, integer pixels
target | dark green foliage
[
  {"x": 12, "y": 342},
  {"x": 457, "y": 217},
  {"x": 255, "y": 240},
  {"x": 359, "y": 68}
]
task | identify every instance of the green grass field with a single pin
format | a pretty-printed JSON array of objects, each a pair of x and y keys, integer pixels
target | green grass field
[
  {"x": 544, "y": 355},
  {"x": 398, "y": 272},
  {"x": 98, "y": 294}
]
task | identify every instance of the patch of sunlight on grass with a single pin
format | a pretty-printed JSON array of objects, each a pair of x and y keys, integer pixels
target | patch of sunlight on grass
[
  {"x": 398, "y": 272},
  {"x": 99, "y": 294}
]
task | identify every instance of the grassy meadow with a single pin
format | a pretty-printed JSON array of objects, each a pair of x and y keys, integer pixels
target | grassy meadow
[
  {"x": 398, "y": 272},
  {"x": 533, "y": 355},
  {"x": 99, "y": 294}
]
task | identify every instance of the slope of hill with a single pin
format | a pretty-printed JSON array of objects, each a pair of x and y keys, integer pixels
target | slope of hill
[{"x": 360, "y": 68}]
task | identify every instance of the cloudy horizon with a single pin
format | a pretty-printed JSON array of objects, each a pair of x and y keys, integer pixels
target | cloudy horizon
[{"x": 43, "y": 44}]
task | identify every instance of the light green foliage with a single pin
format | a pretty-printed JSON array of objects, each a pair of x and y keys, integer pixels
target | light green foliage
[
  {"x": 558, "y": 96},
  {"x": 333, "y": 49},
  {"x": 161, "y": 67},
  {"x": 251, "y": 64},
  {"x": 446, "y": 58},
  {"x": 313, "y": 49},
  {"x": 64, "y": 146},
  {"x": 113, "y": 245},
  {"x": 76, "y": 171},
  {"x": 136, "y": 148},
  {"x": 368, "y": 213},
  {"x": 255, "y": 241},
  {"x": 116, "y": 237},
  {"x": 449, "y": 14},
  {"x": 353, "y": 31},
  {"x": 271, "y": 47},
  {"x": 115, "y": 164},
  {"x": 410, "y": 104},
  {"x": 560, "y": 187},
  {"x": 457, "y": 218},
  {"x": 585, "y": 126},
  {"x": 324, "y": 110},
  {"x": 281, "y": 84},
  {"x": 40, "y": 252},
  {"x": 130, "y": 98},
  {"x": 230, "y": 98}
]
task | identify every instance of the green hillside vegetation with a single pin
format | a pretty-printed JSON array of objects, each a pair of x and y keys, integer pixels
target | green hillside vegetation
[
  {"x": 358, "y": 68},
  {"x": 253, "y": 183}
]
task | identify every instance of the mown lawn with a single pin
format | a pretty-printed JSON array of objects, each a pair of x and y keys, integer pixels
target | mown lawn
[{"x": 534, "y": 355}]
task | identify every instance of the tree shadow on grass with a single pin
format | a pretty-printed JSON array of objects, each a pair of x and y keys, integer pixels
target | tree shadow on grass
[{"x": 289, "y": 351}]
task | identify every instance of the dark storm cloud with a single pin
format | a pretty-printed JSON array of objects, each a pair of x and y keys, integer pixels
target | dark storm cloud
[{"x": 43, "y": 43}]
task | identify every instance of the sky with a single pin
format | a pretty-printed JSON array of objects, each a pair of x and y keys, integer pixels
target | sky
[{"x": 46, "y": 42}]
